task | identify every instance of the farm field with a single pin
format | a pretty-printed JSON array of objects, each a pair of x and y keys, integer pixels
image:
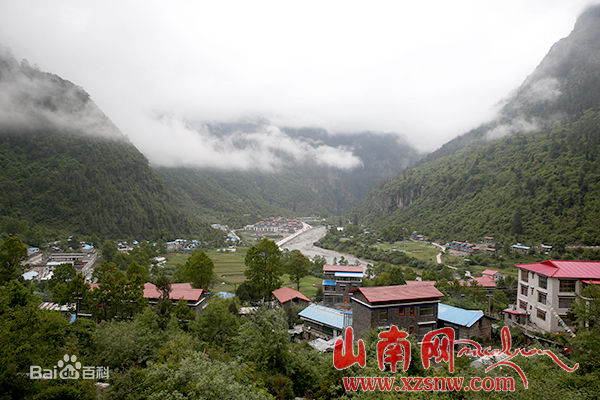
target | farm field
[
  {"x": 423, "y": 251},
  {"x": 229, "y": 271}
]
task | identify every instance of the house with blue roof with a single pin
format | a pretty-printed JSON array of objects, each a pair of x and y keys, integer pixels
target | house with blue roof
[
  {"x": 323, "y": 322},
  {"x": 467, "y": 324}
]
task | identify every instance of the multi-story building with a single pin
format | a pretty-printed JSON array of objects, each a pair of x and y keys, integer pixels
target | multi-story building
[
  {"x": 413, "y": 308},
  {"x": 550, "y": 286},
  {"x": 338, "y": 281}
]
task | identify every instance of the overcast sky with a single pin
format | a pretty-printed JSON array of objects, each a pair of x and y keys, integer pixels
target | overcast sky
[{"x": 429, "y": 70}]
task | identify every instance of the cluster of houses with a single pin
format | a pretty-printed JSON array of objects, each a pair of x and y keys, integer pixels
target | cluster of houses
[
  {"x": 415, "y": 307},
  {"x": 276, "y": 225},
  {"x": 41, "y": 266},
  {"x": 465, "y": 248}
]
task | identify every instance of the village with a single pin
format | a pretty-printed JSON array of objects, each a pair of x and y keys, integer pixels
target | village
[{"x": 338, "y": 297}]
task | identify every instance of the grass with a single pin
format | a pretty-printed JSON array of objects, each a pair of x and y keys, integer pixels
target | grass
[
  {"x": 423, "y": 251},
  {"x": 229, "y": 271}
]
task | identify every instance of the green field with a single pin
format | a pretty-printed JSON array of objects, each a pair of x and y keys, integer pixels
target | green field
[
  {"x": 423, "y": 251},
  {"x": 229, "y": 271}
]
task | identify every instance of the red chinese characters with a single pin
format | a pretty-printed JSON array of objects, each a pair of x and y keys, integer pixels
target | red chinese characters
[
  {"x": 439, "y": 345},
  {"x": 343, "y": 353},
  {"x": 393, "y": 348}
]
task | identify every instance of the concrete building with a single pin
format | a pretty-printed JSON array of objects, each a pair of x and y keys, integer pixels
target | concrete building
[
  {"x": 287, "y": 297},
  {"x": 467, "y": 324},
  {"x": 413, "y": 308},
  {"x": 324, "y": 322},
  {"x": 548, "y": 288},
  {"x": 338, "y": 281}
]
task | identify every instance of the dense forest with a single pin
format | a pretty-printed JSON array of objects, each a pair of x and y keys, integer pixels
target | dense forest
[
  {"x": 66, "y": 168},
  {"x": 543, "y": 186}
]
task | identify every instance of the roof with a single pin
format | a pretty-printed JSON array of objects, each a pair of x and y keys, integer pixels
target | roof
[
  {"x": 592, "y": 282},
  {"x": 489, "y": 272},
  {"x": 520, "y": 246},
  {"x": 342, "y": 268},
  {"x": 328, "y": 282},
  {"x": 458, "y": 316},
  {"x": 285, "y": 294},
  {"x": 380, "y": 294},
  {"x": 485, "y": 281},
  {"x": 514, "y": 312},
  {"x": 565, "y": 269},
  {"x": 324, "y": 315},
  {"x": 420, "y": 283},
  {"x": 178, "y": 291}
]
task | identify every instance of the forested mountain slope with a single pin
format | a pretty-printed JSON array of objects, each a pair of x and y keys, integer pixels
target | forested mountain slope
[
  {"x": 66, "y": 167},
  {"x": 296, "y": 187},
  {"x": 532, "y": 174}
]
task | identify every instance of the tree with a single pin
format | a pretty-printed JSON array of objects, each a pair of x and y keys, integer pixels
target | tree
[
  {"x": 60, "y": 283},
  {"x": 109, "y": 251},
  {"x": 199, "y": 270},
  {"x": 217, "y": 324},
  {"x": 137, "y": 273},
  {"x": 263, "y": 262},
  {"x": 163, "y": 307},
  {"x": 12, "y": 252},
  {"x": 297, "y": 267}
]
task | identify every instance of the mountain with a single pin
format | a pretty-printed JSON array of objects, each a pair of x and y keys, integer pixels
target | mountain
[
  {"x": 564, "y": 84},
  {"x": 531, "y": 174},
  {"x": 296, "y": 186},
  {"x": 67, "y": 168}
]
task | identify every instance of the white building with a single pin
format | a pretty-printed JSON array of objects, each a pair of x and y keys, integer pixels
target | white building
[{"x": 550, "y": 286}]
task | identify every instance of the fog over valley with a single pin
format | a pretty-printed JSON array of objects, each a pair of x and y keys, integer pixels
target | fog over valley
[{"x": 426, "y": 72}]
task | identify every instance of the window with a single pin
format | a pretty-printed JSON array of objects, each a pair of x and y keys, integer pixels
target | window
[
  {"x": 423, "y": 329},
  {"x": 524, "y": 275},
  {"x": 524, "y": 289},
  {"x": 411, "y": 312},
  {"x": 543, "y": 281},
  {"x": 541, "y": 314},
  {"x": 541, "y": 297},
  {"x": 565, "y": 302},
  {"x": 402, "y": 311},
  {"x": 426, "y": 311},
  {"x": 523, "y": 305},
  {"x": 411, "y": 330},
  {"x": 567, "y": 286},
  {"x": 383, "y": 316}
]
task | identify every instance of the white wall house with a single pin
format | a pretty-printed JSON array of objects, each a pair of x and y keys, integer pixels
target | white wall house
[{"x": 551, "y": 285}]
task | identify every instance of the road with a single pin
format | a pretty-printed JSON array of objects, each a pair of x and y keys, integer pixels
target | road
[{"x": 304, "y": 243}]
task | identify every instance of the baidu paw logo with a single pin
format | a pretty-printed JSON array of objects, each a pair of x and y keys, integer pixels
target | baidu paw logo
[{"x": 69, "y": 367}]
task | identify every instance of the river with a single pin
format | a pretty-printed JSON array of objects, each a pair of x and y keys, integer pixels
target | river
[{"x": 304, "y": 243}]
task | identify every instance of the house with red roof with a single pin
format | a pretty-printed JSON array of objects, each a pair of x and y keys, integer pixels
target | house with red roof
[
  {"x": 485, "y": 281},
  {"x": 413, "y": 308},
  {"x": 338, "y": 281},
  {"x": 547, "y": 291},
  {"x": 196, "y": 299},
  {"x": 287, "y": 296},
  {"x": 492, "y": 273}
]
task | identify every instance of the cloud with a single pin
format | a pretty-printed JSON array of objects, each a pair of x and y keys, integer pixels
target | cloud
[
  {"x": 265, "y": 147},
  {"x": 426, "y": 70}
]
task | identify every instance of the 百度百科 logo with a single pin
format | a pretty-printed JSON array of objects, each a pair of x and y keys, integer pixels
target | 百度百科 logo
[{"x": 69, "y": 368}]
